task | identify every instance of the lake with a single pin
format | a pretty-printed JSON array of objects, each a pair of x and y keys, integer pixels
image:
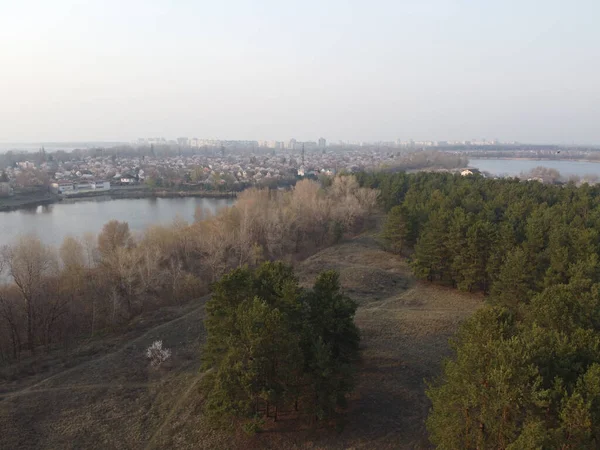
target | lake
[
  {"x": 513, "y": 167},
  {"x": 55, "y": 221}
]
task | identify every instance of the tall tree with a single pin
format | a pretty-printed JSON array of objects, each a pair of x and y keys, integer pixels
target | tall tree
[
  {"x": 30, "y": 263},
  {"x": 272, "y": 345},
  {"x": 395, "y": 230}
]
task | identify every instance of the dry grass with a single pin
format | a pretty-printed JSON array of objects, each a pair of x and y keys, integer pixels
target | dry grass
[{"x": 114, "y": 400}]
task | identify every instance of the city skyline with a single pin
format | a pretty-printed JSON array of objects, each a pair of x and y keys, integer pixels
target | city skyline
[{"x": 320, "y": 142}]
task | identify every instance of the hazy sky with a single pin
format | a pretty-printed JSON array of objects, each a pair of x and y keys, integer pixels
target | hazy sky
[{"x": 355, "y": 70}]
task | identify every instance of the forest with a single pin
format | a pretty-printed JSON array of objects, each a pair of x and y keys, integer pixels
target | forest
[{"x": 526, "y": 368}]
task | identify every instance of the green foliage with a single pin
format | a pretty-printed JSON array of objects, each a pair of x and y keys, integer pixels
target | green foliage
[
  {"x": 476, "y": 233},
  {"x": 519, "y": 384},
  {"x": 525, "y": 373},
  {"x": 272, "y": 345},
  {"x": 395, "y": 230}
]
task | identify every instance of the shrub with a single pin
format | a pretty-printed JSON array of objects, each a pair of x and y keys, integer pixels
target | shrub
[{"x": 157, "y": 354}]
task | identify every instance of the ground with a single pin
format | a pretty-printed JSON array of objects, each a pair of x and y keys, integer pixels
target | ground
[{"x": 109, "y": 397}]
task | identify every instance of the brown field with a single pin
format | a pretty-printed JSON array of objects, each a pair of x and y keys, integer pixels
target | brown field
[{"x": 104, "y": 395}]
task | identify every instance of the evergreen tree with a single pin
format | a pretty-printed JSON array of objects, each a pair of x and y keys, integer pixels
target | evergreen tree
[
  {"x": 514, "y": 284},
  {"x": 526, "y": 372},
  {"x": 430, "y": 260},
  {"x": 395, "y": 230},
  {"x": 272, "y": 345}
]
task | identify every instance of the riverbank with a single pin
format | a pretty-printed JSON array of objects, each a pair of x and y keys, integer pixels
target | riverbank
[
  {"x": 25, "y": 201},
  {"x": 134, "y": 192},
  {"x": 28, "y": 201},
  {"x": 508, "y": 158}
]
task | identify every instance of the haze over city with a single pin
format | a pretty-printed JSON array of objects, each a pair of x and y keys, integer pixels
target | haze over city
[{"x": 115, "y": 71}]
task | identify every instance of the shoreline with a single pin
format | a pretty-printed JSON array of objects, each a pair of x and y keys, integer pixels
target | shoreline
[
  {"x": 114, "y": 194},
  {"x": 491, "y": 158}
]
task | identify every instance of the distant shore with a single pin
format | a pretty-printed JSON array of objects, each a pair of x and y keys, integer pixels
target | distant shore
[
  {"x": 515, "y": 158},
  {"x": 24, "y": 201}
]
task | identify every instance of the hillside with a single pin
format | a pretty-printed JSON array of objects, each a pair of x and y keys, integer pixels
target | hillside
[{"x": 112, "y": 399}]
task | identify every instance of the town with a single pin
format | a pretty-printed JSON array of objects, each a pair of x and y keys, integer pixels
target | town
[
  {"x": 217, "y": 165},
  {"x": 228, "y": 166}
]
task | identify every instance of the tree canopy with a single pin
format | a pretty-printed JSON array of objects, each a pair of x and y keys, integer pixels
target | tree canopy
[
  {"x": 274, "y": 347},
  {"x": 525, "y": 373}
]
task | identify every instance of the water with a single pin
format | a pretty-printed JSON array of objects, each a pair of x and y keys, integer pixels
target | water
[
  {"x": 55, "y": 221},
  {"x": 514, "y": 167}
]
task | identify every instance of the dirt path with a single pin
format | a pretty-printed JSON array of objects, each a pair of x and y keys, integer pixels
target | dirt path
[
  {"x": 153, "y": 442},
  {"x": 112, "y": 401},
  {"x": 31, "y": 391},
  {"x": 128, "y": 345}
]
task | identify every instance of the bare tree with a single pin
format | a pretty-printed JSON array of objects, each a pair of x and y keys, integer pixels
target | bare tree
[
  {"x": 29, "y": 263},
  {"x": 9, "y": 313},
  {"x": 114, "y": 235},
  {"x": 91, "y": 258},
  {"x": 72, "y": 254}
]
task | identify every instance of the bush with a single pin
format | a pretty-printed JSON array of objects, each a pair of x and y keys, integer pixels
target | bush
[{"x": 157, "y": 354}]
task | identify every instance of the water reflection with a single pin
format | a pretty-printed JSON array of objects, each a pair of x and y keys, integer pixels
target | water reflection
[
  {"x": 55, "y": 221},
  {"x": 31, "y": 209}
]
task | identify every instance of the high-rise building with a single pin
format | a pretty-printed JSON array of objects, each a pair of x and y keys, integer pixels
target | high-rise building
[
  {"x": 322, "y": 143},
  {"x": 292, "y": 144}
]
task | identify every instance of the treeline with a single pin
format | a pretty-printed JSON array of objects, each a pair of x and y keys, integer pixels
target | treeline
[
  {"x": 55, "y": 297},
  {"x": 548, "y": 175},
  {"x": 526, "y": 368},
  {"x": 275, "y": 349},
  {"x": 426, "y": 159},
  {"x": 478, "y": 234}
]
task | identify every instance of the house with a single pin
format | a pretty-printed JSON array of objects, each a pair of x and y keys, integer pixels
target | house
[
  {"x": 5, "y": 189},
  {"x": 101, "y": 185},
  {"x": 129, "y": 178},
  {"x": 62, "y": 187},
  {"x": 83, "y": 186}
]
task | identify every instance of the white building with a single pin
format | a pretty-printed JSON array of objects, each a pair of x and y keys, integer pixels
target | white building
[
  {"x": 101, "y": 185},
  {"x": 61, "y": 187}
]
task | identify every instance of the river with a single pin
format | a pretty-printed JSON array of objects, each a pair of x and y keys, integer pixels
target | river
[
  {"x": 514, "y": 167},
  {"x": 55, "y": 221}
]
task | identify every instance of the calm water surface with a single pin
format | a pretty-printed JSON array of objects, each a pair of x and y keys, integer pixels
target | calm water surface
[
  {"x": 514, "y": 167},
  {"x": 53, "y": 222}
]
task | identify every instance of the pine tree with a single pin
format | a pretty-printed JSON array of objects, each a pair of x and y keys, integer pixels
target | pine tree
[
  {"x": 514, "y": 283},
  {"x": 395, "y": 230},
  {"x": 431, "y": 260},
  {"x": 272, "y": 345}
]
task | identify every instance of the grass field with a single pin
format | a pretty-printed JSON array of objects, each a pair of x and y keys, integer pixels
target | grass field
[{"x": 108, "y": 397}]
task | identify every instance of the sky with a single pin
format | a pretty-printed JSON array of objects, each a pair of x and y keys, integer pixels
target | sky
[{"x": 346, "y": 70}]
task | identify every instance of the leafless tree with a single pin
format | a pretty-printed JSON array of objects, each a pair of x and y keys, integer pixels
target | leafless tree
[
  {"x": 114, "y": 235},
  {"x": 29, "y": 263}
]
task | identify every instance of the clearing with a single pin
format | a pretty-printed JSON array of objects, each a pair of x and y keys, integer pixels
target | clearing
[{"x": 110, "y": 398}]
